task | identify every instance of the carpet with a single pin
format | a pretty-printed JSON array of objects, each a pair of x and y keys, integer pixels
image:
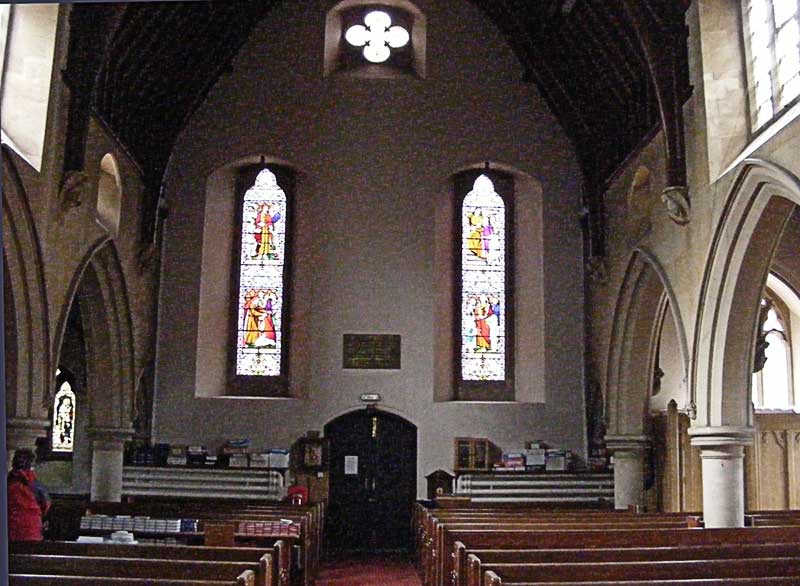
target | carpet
[{"x": 368, "y": 571}]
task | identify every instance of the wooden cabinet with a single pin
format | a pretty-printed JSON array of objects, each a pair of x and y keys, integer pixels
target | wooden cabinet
[{"x": 473, "y": 454}]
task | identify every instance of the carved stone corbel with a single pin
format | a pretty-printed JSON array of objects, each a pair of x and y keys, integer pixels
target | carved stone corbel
[
  {"x": 73, "y": 190},
  {"x": 677, "y": 204}
]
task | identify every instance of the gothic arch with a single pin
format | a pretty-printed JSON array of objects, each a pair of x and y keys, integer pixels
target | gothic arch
[
  {"x": 29, "y": 372},
  {"x": 639, "y": 312},
  {"x": 99, "y": 286},
  {"x": 757, "y": 207}
]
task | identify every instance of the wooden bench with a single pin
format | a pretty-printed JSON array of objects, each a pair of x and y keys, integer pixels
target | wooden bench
[
  {"x": 269, "y": 569},
  {"x": 599, "y": 538},
  {"x": 469, "y": 564},
  {"x": 308, "y": 518},
  {"x": 45, "y": 580},
  {"x": 439, "y": 549},
  {"x": 492, "y": 579},
  {"x": 638, "y": 570},
  {"x": 238, "y": 573}
]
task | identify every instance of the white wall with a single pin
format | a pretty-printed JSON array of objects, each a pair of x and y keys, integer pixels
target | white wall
[{"x": 374, "y": 158}]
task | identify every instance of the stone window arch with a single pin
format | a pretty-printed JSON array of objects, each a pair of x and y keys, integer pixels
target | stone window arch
[{"x": 109, "y": 194}]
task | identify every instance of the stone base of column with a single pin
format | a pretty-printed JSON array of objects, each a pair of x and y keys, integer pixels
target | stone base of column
[
  {"x": 628, "y": 451},
  {"x": 722, "y": 455},
  {"x": 107, "y": 451}
]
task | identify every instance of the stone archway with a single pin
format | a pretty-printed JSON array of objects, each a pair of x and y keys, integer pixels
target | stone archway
[
  {"x": 99, "y": 287},
  {"x": 758, "y": 205},
  {"x": 28, "y": 353},
  {"x": 639, "y": 313}
]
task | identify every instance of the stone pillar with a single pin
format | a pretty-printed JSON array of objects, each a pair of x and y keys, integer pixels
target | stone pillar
[
  {"x": 23, "y": 433},
  {"x": 628, "y": 451},
  {"x": 107, "y": 451},
  {"x": 722, "y": 455}
]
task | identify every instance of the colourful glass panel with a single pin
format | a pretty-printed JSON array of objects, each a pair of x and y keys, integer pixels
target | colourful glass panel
[
  {"x": 64, "y": 419},
  {"x": 483, "y": 283},
  {"x": 261, "y": 278}
]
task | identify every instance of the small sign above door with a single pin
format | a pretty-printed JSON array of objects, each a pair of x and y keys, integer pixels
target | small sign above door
[{"x": 378, "y": 351}]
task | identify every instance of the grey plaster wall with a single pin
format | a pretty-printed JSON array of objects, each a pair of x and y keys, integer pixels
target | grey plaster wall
[{"x": 374, "y": 158}]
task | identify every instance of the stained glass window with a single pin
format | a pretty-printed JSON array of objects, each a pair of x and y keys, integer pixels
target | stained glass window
[
  {"x": 773, "y": 42},
  {"x": 484, "y": 268},
  {"x": 262, "y": 266},
  {"x": 63, "y": 435}
]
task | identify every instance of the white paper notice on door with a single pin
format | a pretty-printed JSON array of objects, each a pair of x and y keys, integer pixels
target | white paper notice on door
[{"x": 351, "y": 464}]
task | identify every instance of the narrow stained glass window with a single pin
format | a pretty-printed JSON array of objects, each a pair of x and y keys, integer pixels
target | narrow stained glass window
[
  {"x": 483, "y": 283},
  {"x": 261, "y": 278},
  {"x": 64, "y": 419}
]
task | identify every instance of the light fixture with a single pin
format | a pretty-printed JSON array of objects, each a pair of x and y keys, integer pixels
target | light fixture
[{"x": 378, "y": 37}]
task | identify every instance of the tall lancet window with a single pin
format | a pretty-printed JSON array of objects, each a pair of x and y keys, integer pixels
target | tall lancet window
[
  {"x": 262, "y": 296},
  {"x": 63, "y": 432},
  {"x": 485, "y": 362}
]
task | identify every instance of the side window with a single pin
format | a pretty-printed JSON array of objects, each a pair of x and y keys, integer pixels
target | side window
[
  {"x": 773, "y": 385},
  {"x": 262, "y": 276},
  {"x": 27, "y": 37},
  {"x": 772, "y": 39},
  {"x": 60, "y": 441},
  {"x": 485, "y": 276}
]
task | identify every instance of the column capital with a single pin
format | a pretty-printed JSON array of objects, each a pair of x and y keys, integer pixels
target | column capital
[
  {"x": 720, "y": 437},
  {"x": 627, "y": 443},
  {"x": 23, "y": 432},
  {"x": 109, "y": 438}
]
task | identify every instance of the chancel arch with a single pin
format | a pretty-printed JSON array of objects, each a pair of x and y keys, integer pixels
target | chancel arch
[
  {"x": 644, "y": 302},
  {"x": 759, "y": 204}
]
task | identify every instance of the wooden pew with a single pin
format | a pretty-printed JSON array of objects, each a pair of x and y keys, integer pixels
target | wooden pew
[
  {"x": 238, "y": 573},
  {"x": 308, "y": 517},
  {"x": 268, "y": 574},
  {"x": 439, "y": 550},
  {"x": 468, "y": 563},
  {"x": 492, "y": 579},
  {"x": 601, "y": 538},
  {"x": 665, "y": 570},
  {"x": 44, "y": 580}
]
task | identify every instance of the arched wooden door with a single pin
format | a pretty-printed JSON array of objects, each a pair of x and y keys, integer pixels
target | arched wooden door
[{"x": 373, "y": 480}]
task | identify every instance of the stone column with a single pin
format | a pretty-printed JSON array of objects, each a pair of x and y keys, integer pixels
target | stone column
[
  {"x": 628, "y": 451},
  {"x": 722, "y": 454},
  {"x": 107, "y": 449},
  {"x": 23, "y": 433}
]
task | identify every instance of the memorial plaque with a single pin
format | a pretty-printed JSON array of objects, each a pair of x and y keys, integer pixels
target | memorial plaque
[{"x": 379, "y": 351}]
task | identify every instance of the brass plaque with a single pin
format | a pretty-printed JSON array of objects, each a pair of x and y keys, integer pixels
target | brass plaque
[{"x": 379, "y": 351}]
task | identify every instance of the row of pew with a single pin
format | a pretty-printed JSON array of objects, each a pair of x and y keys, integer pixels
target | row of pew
[
  {"x": 501, "y": 546},
  {"x": 248, "y": 559}
]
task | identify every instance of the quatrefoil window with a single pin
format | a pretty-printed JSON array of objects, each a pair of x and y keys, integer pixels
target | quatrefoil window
[{"x": 378, "y": 37}]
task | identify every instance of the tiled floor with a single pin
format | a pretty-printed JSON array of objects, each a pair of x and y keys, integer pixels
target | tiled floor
[{"x": 376, "y": 570}]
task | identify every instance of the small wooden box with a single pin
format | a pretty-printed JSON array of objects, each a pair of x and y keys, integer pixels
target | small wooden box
[{"x": 474, "y": 454}]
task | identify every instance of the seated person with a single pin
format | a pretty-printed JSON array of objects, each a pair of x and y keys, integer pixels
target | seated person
[{"x": 28, "y": 501}]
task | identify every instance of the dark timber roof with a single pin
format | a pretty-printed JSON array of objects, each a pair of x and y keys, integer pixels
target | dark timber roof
[{"x": 612, "y": 71}]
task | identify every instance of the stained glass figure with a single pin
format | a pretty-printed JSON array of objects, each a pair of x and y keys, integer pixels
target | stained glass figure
[
  {"x": 483, "y": 278},
  {"x": 262, "y": 264},
  {"x": 64, "y": 419}
]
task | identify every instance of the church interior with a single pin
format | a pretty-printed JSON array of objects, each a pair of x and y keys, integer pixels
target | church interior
[{"x": 593, "y": 206}]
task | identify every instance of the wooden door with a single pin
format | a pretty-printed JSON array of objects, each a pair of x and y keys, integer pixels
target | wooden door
[{"x": 373, "y": 479}]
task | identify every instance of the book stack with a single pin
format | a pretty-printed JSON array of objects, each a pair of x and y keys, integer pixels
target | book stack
[
  {"x": 278, "y": 458},
  {"x": 259, "y": 460},
  {"x": 234, "y": 453},
  {"x": 196, "y": 455},
  {"x": 176, "y": 456}
]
